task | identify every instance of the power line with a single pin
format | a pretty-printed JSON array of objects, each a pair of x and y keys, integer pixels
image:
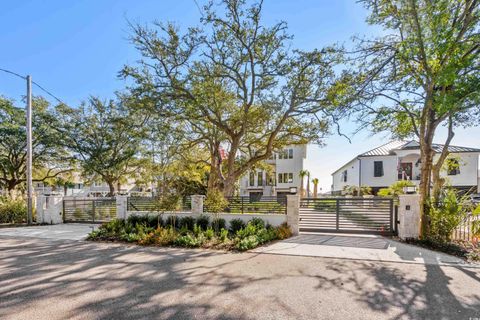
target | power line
[{"x": 35, "y": 83}]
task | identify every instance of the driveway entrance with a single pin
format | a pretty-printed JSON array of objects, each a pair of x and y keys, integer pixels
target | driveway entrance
[
  {"x": 358, "y": 247},
  {"x": 68, "y": 231},
  {"x": 350, "y": 215}
]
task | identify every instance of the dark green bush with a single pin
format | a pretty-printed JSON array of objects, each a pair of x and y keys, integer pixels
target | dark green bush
[
  {"x": 219, "y": 224},
  {"x": 186, "y": 223},
  {"x": 236, "y": 225},
  {"x": 12, "y": 211},
  {"x": 257, "y": 222},
  {"x": 203, "y": 221}
]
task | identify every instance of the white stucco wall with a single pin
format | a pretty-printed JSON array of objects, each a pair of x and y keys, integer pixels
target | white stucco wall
[
  {"x": 468, "y": 163},
  {"x": 353, "y": 169},
  {"x": 389, "y": 171}
]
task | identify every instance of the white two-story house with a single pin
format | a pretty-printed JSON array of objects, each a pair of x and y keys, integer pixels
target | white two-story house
[
  {"x": 282, "y": 176},
  {"x": 400, "y": 160}
]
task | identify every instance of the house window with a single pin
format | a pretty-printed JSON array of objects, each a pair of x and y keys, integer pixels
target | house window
[
  {"x": 378, "y": 168},
  {"x": 286, "y": 154},
  {"x": 270, "y": 178},
  {"x": 290, "y": 178},
  {"x": 252, "y": 179},
  {"x": 260, "y": 179},
  {"x": 453, "y": 167},
  {"x": 344, "y": 176},
  {"x": 280, "y": 178}
]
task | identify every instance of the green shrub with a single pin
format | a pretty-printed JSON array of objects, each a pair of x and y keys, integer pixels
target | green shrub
[
  {"x": 13, "y": 211},
  {"x": 187, "y": 223},
  {"x": 257, "y": 222},
  {"x": 446, "y": 217},
  {"x": 203, "y": 221},
  {"x": 215, "y": 201},
  {"x": 249, "y": 230},
  {"x": 247, "y": 243},
  {"x": 209, "y": 233},
  {"x": 236, "y": 225},
  {"x": 188, "y": 241},
  {"x": 395, "y": 189},
  {"x": 223, "y": 235},
  {"x": 219, "y": 224}
]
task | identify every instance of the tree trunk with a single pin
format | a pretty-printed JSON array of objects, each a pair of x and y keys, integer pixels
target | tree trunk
[
  {"x": 315, "y": 190},
  {"x": 425, "y": 179},
  {"x": 111, "y": 188},
  {"x": 308, "y": 185}
]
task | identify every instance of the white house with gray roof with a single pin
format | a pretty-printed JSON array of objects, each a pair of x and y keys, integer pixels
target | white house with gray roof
[{"x": 400, "y": 160}]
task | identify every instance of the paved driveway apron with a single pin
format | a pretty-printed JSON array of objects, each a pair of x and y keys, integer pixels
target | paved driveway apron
[
  {"x": 70, "y": 231},
  {"x": 359, "y": 247}
]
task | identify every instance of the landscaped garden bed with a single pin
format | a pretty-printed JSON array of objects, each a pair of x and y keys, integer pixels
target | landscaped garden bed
[{"x": 200, "y": 232}]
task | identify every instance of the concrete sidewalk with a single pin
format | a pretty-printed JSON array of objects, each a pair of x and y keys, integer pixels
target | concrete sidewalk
[
  {"x": 358, "y": 247},
  {"x": 70, "y": 231}
]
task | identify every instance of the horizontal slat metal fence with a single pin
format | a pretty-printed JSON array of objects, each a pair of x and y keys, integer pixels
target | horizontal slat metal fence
[
  {"x": 154, "y": 204},
  {"x": 255, "y": 205},
  {"x": 89, "y": 210},
  {"x": 356, "y": 215},
  {"x": 465, "y": 230}
]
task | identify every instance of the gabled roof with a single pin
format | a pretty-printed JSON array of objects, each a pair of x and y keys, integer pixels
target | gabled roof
[{"x": 389, "y": 148}]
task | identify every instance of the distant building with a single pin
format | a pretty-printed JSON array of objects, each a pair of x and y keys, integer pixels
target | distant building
[
  {"x": 400, "y": 160},
  {"x": 281, "y": 179}
]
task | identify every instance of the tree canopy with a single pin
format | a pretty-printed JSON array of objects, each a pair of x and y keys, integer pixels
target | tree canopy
[
  {"x": 50, "y": 159},
  {"x": 233, "y": 86},
  {"x": 104, "y": 137}
]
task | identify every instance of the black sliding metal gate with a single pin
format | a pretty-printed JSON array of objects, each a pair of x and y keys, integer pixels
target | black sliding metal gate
[{"x": 349, "y": 215}]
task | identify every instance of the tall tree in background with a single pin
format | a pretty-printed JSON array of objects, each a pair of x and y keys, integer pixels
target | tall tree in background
[
  {"x": 423, "y": 73},
  {"x": 234, "y": 87},
  {"x": 50, "y": 159},
  {"x": 104, "y": 138}
]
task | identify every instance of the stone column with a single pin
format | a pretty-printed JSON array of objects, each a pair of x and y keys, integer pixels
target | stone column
[
  {"x": 121, "y": 202},
  {"x": 40, "y": 209},
  {"x": 49, "y": 209},
  {"x": 197, "y": 204},
  {"x": 409, "y": 216},
  {"x": 293, "y": 210}
]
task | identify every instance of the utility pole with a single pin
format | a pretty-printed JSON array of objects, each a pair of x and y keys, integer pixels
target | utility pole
[{"x": 29, "y": 152}]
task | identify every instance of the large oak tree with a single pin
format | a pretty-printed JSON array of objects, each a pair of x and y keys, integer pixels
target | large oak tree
[
  {"x": 422, "y": 73},
  {"x": 233, "y": 87},
  {"x": 50, "y": 159}
]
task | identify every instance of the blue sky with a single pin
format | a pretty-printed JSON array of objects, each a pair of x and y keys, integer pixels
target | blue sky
[{"x": 76, "y": 48}]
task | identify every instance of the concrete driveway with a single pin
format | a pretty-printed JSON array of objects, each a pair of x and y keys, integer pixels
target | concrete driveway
[
  {"x": 360, "y": 247},
  {"x": 70, "y": 231},
  {"x": 52, "y": 279}
]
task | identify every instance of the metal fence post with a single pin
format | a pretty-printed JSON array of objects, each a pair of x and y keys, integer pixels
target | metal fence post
[
  {"x": 242, "y": 203},
  {"x": 337, "y": 202},
  {"x": 93, "y": 210}
]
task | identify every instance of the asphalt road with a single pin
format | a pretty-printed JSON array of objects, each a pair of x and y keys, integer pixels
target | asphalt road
[{"x": 54, "y": 279}]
